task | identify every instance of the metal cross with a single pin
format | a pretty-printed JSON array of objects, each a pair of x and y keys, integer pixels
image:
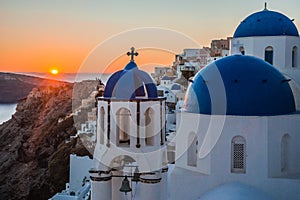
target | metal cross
[
  {"x": 266, "y": 6},
  {"x": 132, "y": 54}
]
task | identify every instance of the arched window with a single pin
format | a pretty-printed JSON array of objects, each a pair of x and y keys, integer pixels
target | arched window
[
  {"x": 238, "y": 154},
  {"x": 285, "y": 153},
  {"x": 123, "y": 126},
  {"x": 269, "y": 54},
  {"x": 242, "y": 50},
  {"x": 192, "y": 150},
  {"x": 149, "y": 122},
  {"x": 102, "y": 114},
  {"x": 294, "y": 57}
]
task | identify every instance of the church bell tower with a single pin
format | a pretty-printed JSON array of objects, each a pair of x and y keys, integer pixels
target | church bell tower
[{"x": 130, "y": 154}]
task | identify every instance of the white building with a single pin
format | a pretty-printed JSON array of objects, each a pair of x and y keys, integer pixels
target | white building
[
  {"x": 274, "y": 38},
  {"x": 79, "y": 186},
  {"x": 243, "y": 142},
  {"x": 130, "y": 138},
  {"x": 164, "y": 91},
  {"x": 171, "y": 90},
  {"x": 190, "y": 54},
  {"x": 204, "y": 56},
  {"x": 165, "y": 81},
  {"x": 159, "y": 72}
]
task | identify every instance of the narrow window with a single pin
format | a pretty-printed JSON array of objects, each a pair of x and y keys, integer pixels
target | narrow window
[
  {"x": 192, "y": 150},
  {"x": 102, "y": 114},
  {"x": 242, "y": 50},
  {"x": 123, "y": 127},
  {"x": 285, "y": 152},
  {"x": 238, "y": 155},
  {"x": 294, "y": 56},
  {"x": 149, "y": 122},
  {"x": 269, "y": 55}
]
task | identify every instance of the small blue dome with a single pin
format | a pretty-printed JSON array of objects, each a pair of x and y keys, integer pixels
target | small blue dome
[
  {"x": 175, "y": 87},
  {"x": 251, "y": 87},
  {"x": 266, "y": 23},
  {"x": 130, "y": 83},
  {"x": 165, "y": 78}
]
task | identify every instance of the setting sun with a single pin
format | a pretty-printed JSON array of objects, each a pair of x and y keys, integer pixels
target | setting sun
[{"x": 54, "y": 71}]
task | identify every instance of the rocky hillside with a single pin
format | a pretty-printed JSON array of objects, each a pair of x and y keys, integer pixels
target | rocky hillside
[{"x": 34, "y": 157}]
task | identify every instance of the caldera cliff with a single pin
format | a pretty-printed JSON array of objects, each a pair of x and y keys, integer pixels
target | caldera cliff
[{"x": 34, "y": 157}]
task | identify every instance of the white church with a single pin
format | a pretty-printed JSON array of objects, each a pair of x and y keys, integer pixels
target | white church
[
  {"x": 244, "y": 142},
  {"x": 131, "y": 141},
  {"x": 238, "y": 136}
]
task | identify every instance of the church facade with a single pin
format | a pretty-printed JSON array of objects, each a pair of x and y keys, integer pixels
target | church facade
[
  {"x": 130, "y": 145},
  {"x": 245, "y": 141}
]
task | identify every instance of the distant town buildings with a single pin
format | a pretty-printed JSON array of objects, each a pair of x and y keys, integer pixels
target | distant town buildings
[
  {"x": 220, "y": 48},
  {"x": 191, "y": 61}
]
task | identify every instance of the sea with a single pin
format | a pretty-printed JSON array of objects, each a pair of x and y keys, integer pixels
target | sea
[
  {"x": 7, "y": 110},
  {"x": 71, "y": 77}
]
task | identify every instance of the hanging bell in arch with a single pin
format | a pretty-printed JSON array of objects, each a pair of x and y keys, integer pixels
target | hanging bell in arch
[{"x": 125, "y": 185}]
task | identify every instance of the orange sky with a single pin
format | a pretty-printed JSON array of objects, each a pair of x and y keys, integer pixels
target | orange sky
[{"x": 39, "y": 35}]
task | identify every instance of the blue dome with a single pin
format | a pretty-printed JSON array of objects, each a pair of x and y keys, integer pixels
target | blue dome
[
  {"x": 266, "y": 23},
  {"x": 165, "y": 78},
  {"x": 251, "y": 87},
  {"x": 175, "y": 87},
  {"x": 130, "y": 83}
]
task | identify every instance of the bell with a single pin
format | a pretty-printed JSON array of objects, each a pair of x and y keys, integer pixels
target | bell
[
  {"x": 125, "y": 186},
  {"x": 136, "y": 175}
]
